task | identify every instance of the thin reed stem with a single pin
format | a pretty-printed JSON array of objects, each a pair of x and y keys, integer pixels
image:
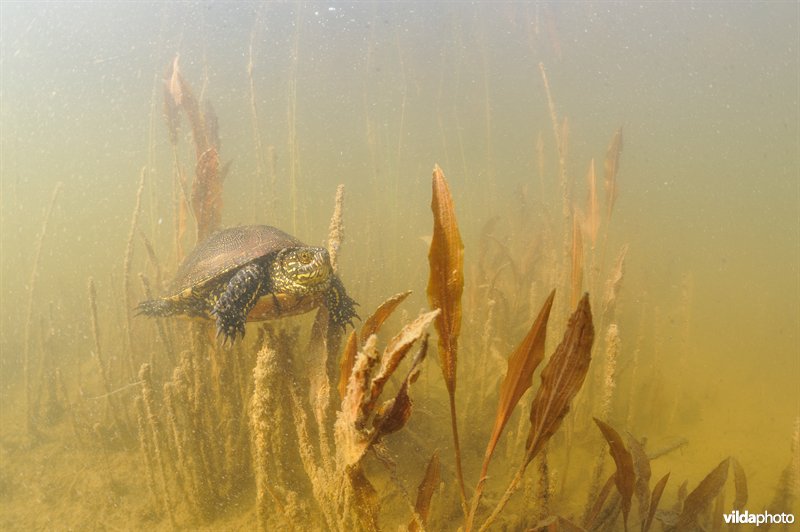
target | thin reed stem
[
  {"x": 126, "y": 268},
  {"x": 30, "y": 421}
]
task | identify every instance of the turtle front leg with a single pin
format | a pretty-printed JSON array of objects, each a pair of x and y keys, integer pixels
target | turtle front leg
[{"x": 238, "y": 299}]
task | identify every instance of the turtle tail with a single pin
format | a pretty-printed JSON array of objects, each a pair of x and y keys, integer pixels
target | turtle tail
[{"x": 155, "y": 307}]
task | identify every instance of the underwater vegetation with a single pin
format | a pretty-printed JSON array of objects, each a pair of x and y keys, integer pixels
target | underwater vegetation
[{"x": 311, "y": 428}]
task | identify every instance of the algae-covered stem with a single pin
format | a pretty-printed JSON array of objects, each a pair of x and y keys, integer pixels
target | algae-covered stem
[
  {"x": 126, "y": 268},
  {"x": 30, "y": 422}
]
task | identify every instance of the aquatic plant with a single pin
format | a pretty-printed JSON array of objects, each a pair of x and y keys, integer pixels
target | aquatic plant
[{"x": 306, "y": 428}]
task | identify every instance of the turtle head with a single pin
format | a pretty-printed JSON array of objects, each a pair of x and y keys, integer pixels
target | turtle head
[{"x": 301, "y": 270}]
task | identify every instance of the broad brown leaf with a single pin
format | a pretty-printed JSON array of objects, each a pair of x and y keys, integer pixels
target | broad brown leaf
[
  {"x": 425, "y": 492},
  {"x": 561, "y": 378},
  {"x": 446, "y": 282},
  {"x": 658, "y": 490},
  {"x": 624, "y": 478},
  {"x": 373, "y": 324},
  {"x": 519, "y": 375},
  {"x": 702, "y": 495},
  {"x": 740, "y": 485}
]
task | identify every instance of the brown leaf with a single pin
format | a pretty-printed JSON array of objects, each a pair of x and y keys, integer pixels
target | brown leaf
[
  {"x": 577, "y": 261},
  {"x": 358, "y": 383},
  {"x": 207, "y": 194},
  {"x": 611, "y": 169},
  {"x": 561, "y": 378},
  {"x": 191, "y": 107},
  {"x": 366, "y": 504},
  {"x": 395, "y": 351},
  {"x": 740, "y": 485},
  {"x": 172, "y": 101},
  {"x": 641, "y": 466},
  {"x": 601, "y": 499},
  {"x": 624, "y": 478},
  {"x": 446, "y": 282},
  {"x": 382, "y": 313},
  {"x": 593, "y": 210},
  {"x": 519, "y": 375},
  {"x": 394, "y": 413},
  {"x": 371, "y": 326},
  {"x": 346, "y": 362},
  {"x": 702, "y": 495},
  {"x": 425, "y": 492},
  {"x": 658, "y": 490}
]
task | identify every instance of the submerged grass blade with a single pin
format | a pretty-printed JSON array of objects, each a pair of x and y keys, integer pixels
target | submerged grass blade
[
  {"x": 422, "y": 508},
  {"x": 577, "y": 261},
  {"x": 593, "y": 210},
  {"x": 611, "y": 169},
  {"x": 625, "y": 477},
  {"x": 445, "y": 286}
]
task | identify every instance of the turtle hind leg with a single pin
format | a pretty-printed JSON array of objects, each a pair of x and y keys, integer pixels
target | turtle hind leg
[{"x": 238, "y": 299}]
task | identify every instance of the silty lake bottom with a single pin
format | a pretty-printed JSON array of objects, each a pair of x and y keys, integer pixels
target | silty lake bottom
[{"x": 645, "y": 155}]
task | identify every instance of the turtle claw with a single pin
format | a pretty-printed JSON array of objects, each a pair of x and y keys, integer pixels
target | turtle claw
[
  {"x": 228, "y": 327},
  {"x": 229, "y": 330}
]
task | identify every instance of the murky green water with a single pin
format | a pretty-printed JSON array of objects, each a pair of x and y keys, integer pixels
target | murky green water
[{"x": 372, "y": 95}]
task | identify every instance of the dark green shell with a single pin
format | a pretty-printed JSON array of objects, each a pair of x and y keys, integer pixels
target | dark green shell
[{"x": 227, "y": 250}]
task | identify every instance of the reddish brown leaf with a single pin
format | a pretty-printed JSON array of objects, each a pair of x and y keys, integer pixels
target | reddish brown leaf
[
  {"x": 658, "y": 490},
  {"x": 395, "y": 351},
  {"x": 593, "y": 210},
  {"x": 446, "y": 282},
  {"x": 425, "y": 492},
  {"x": 382, "y": 313},
  {"x": 641, "y": 466},
  {"x": 624, "y": 478},
  {"x": 577, "y": 261},
  {"x": 702, "y": 495},
  {"x": 561, "y": 378},
  {"x": 601, "y": 499},
  {"x": 366, "y": 503},
  {"x": 346, "y": 363},
  {"x": 172, "y": 101},
  {"x": 394, "y": 413},
  {"x": 611, "y": 169},
  {"x": 519, "y": 375},
  {"x": 740, "y": 485},
  {"x": 207, "y": 194},
  {"x": 445, "y": 286}
]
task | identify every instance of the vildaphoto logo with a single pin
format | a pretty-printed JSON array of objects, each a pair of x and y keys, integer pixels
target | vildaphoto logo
[{"x": 743, "y": 518}]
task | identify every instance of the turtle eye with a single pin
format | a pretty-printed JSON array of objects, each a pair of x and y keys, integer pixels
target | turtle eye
[{"x": 305, "y": 257}]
